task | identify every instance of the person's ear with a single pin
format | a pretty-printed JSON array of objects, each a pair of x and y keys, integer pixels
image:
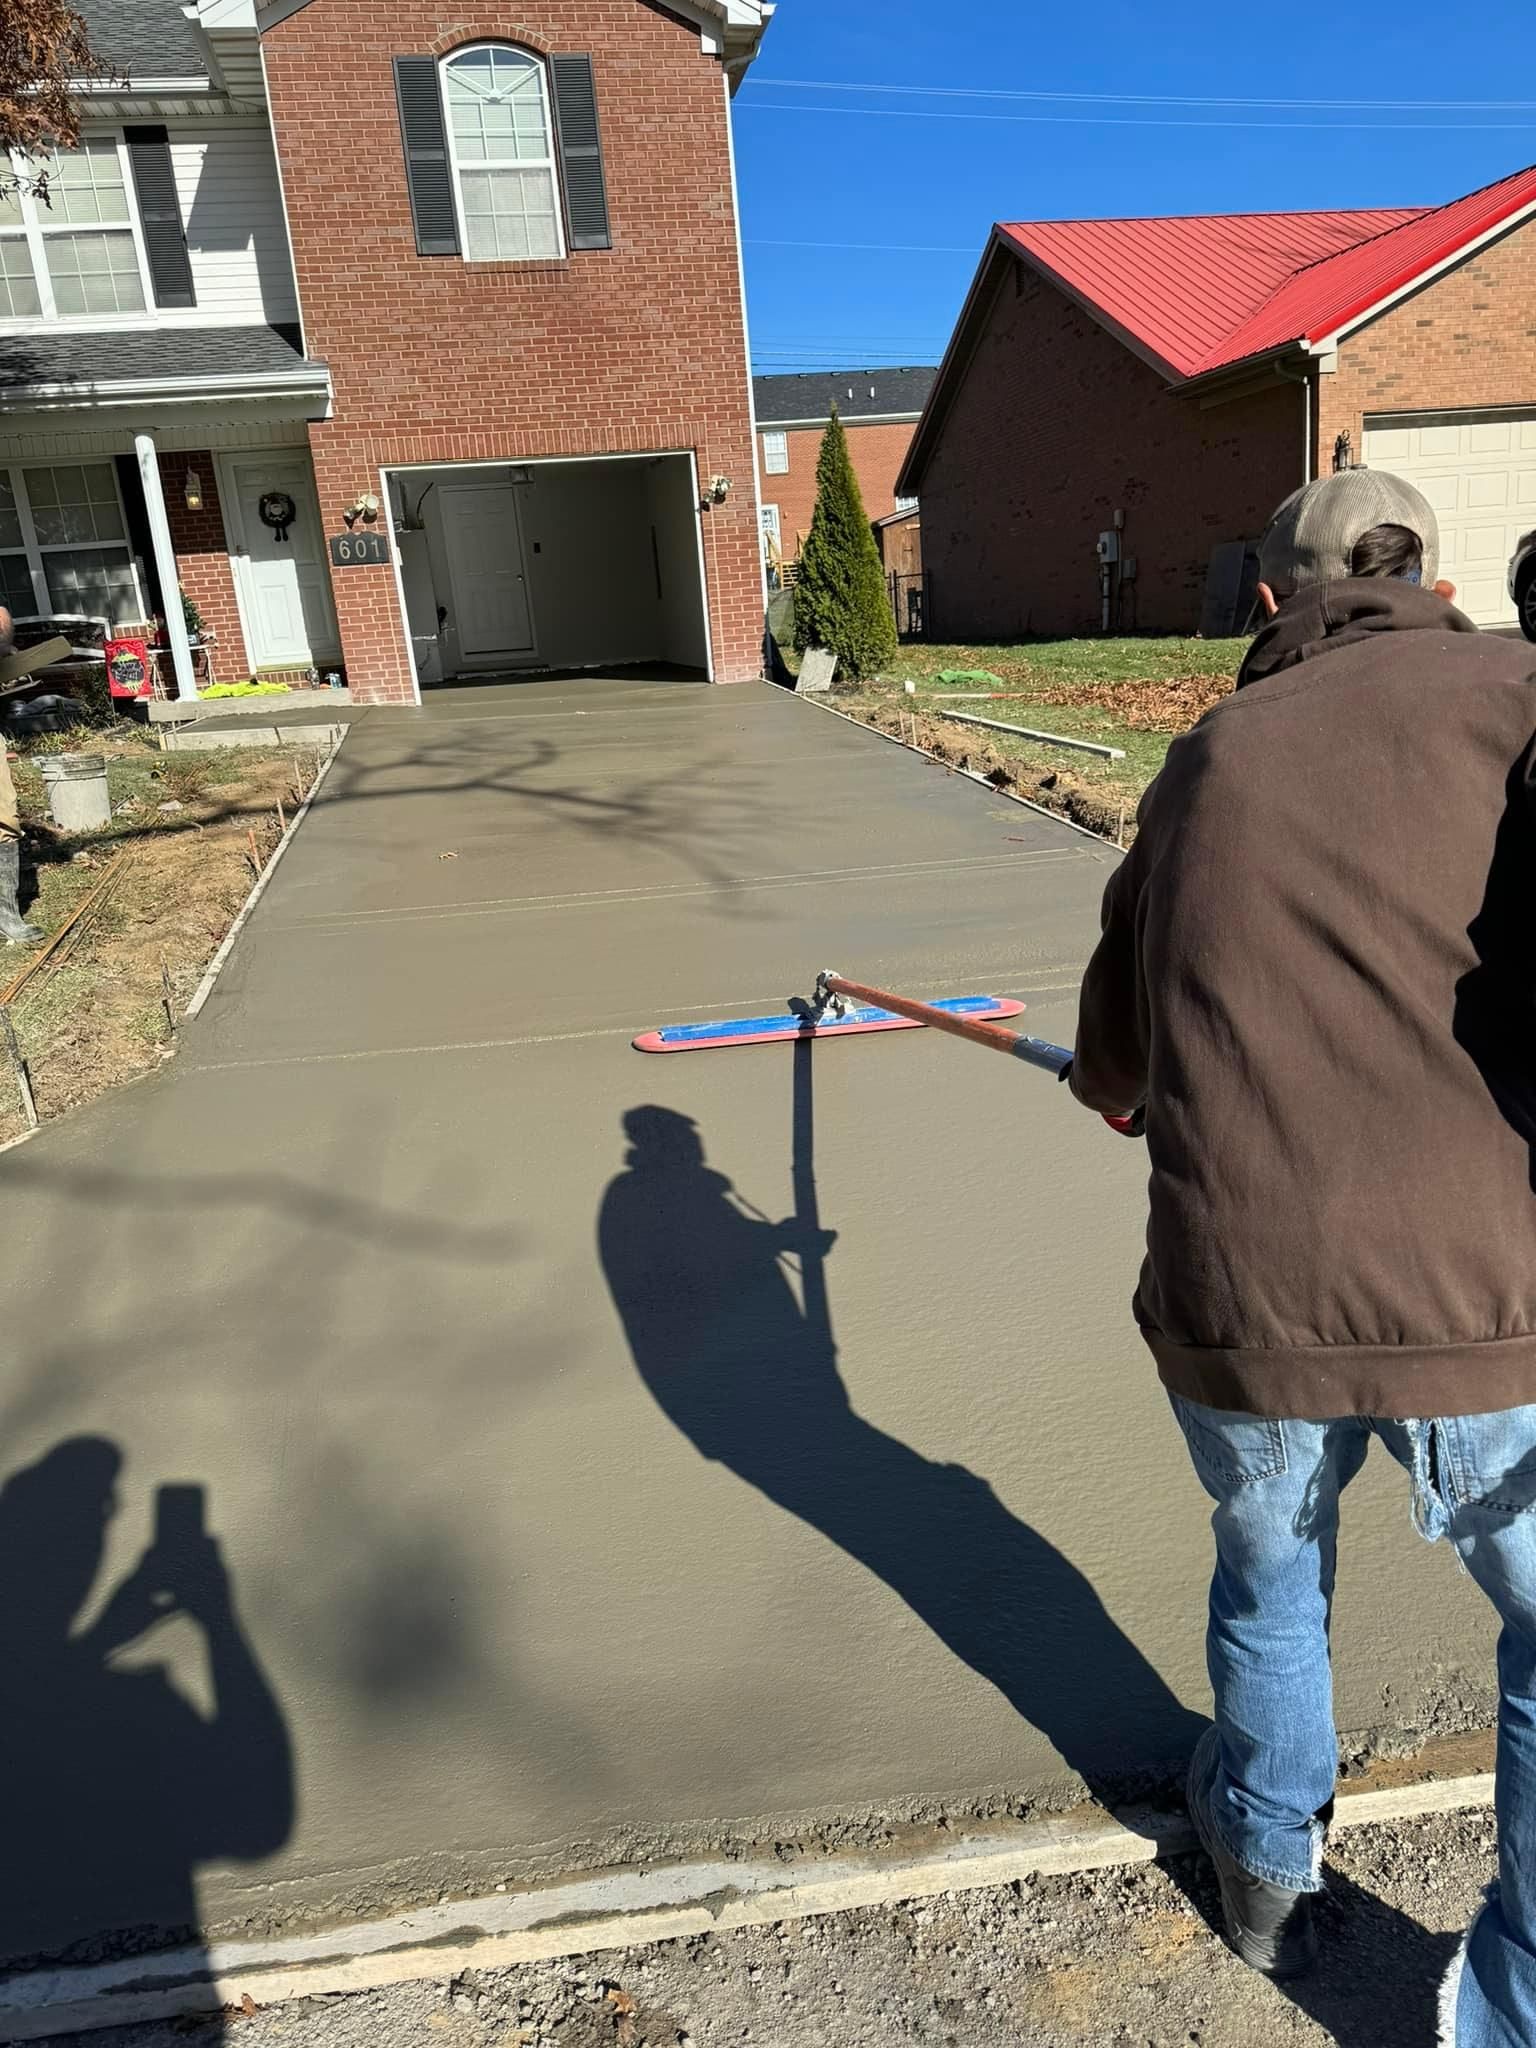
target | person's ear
[
  {"x": 1446, "y": 590},
  {"x": 1268, "y": 599}
]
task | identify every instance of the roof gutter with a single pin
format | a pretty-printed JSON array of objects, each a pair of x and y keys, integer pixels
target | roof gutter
[
  {"x": 314, "y": 381},
  {"x": 849, "y": 419},
  {"x": 131, "y": 88}
]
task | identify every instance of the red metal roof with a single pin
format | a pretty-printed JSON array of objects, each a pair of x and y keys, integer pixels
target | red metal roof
[{"x": 1203, "y": 293}]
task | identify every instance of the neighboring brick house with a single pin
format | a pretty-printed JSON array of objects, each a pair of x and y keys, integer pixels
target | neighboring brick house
[
  {"x": 463, "y": 391},
  {"x": 1164, "y": 383},
  {"x": 880, "y": 410}
]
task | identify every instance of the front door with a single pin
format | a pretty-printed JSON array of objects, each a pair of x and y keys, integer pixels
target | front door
[
  {"x": 482, "y": 537},
  {"x": 285, "y": 585}
]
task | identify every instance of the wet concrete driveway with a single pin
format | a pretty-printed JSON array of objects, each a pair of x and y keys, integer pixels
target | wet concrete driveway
[{"x": 567, "y": 1518}]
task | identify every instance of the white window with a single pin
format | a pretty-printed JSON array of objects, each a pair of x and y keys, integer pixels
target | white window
[
  {"x": 502, "y": 147},
  {"x": 64, "y": 543},
  {"x": 776, "y": 454},
  {"x": 73, "y": 254},
  {"x": 906, "y": 504}
]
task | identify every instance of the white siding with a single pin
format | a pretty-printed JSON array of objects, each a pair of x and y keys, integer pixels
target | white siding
[{"x": 226, "y": 177}]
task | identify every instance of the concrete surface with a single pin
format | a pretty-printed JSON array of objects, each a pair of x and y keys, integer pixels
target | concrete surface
[
  {"x": 1116, "y": 1959},
  {"x": 555, "y": 1537}
]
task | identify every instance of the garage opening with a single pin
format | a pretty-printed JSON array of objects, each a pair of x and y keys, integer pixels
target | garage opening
[{"x": 520, "y": 569}]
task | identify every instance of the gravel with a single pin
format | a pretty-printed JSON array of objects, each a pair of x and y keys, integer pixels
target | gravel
[{"x": 1114, "y": 1959}]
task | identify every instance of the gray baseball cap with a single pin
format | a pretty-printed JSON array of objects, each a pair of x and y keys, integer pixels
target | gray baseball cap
[{"x": 1311, "y": 537}]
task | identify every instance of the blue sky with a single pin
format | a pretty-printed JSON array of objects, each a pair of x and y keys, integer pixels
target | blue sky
[{"x": 895, "y": 170}]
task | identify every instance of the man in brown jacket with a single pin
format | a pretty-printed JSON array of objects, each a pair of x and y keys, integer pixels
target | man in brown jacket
[{"x": 1318, "y": 978}]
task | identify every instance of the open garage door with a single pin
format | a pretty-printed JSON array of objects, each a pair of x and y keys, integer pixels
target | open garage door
[
  {"x": 1478, "y": 470},
  {"x": 520, "y": 568}
]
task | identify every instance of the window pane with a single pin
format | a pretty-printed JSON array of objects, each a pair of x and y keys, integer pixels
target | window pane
[
  {"x": 97, "y": 581},
  {"x": 496, "y": 100},
  {"x": 75, "y": 503},
  {"x": 86, "y": 185},
  {"x": 16, "y": 586},
  {"x": 18, "y": 287},
  {"x": 776, "y": 454},
  {"x": 95, "y": 274},
  {"x": 10, "y": 525},
  {"x": 509, "y": 215},
  {"x": 10, "y": 205}
]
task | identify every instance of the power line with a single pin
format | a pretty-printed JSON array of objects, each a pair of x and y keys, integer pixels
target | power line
[
  {"x": 883, "y": 248},
  {"x": 1149, "y": 99},
  {"x": 1137, "y": 121}
]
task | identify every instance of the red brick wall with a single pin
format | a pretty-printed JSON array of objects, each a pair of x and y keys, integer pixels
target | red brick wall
[
  {"x": 202, "y": 557},
  {"x": 877, "y": 452},
  {"x": 1467, "y": 340},
  {"x": 1055, "y": 426},
  {"x": 635, "y": 348}
]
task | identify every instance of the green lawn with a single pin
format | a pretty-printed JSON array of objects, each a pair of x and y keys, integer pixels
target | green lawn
[{"x": 1131, "y": 694}]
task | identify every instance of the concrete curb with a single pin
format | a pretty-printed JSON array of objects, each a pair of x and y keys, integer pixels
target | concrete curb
[
  {"x": 627, "y": 1908},
  {"x": 215, "y": 966}
]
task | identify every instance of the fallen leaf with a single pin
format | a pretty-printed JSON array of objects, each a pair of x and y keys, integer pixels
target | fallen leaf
[
  {"x": 447, "y": 856},
  {"x": 248, "y": 2005},
  {"x": 620, "y": 2000}
]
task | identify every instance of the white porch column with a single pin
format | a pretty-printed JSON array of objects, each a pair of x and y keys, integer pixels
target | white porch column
[{"x": 165, "y": 564}]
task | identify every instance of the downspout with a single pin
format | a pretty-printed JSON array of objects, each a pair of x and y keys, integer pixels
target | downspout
[{"x": 1303, "y": 377}]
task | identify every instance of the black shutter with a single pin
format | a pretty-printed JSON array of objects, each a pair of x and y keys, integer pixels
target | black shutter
[
  {"x": 165, "y": 239},
  {"x": 581, "y": 153},
  {"x": 426, "y": 156}
]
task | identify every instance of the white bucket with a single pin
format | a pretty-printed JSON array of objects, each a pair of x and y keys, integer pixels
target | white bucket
[{"x": 77, "y": 790}]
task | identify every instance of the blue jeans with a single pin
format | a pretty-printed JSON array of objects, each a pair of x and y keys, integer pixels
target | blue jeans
[{"x": 1263, "y": 1777}]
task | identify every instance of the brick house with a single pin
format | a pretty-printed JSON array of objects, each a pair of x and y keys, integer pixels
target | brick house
[
  {"x": 412, "y": 353},
  {"x": 1164, "y": 383},
  {"x": 880, "y": 410}
]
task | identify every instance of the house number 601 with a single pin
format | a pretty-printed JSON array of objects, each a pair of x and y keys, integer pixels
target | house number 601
[{"x": 354, "y": 550}]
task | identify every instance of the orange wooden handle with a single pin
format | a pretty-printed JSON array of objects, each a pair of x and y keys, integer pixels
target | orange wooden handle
[{"x": 923, "y": 1013}]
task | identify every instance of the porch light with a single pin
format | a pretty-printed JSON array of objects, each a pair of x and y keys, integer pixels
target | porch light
[{"x": 192, "y": 491}]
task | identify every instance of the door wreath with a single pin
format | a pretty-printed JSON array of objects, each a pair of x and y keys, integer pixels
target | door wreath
[{"x": 278, "y": 511}]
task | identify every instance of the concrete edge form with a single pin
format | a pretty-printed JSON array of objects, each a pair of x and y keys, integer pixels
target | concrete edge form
[
  {"x": 215, "y": 966},
  {"x": 970, "y": 774},
  {"x": 215, "y": 739},
  {"x": 624, "y": 1909}
]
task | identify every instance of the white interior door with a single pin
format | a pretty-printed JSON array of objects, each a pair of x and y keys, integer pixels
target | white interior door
[
  {"x": 285, "y": 583},
  {"x": 482, "y": 538},
  {"x": 1478, "y": 470}
]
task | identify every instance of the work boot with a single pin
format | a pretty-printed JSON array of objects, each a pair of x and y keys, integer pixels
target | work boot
[
  {"x": 1268, "y": 1927},
  {"x": 14, "y": 928}
]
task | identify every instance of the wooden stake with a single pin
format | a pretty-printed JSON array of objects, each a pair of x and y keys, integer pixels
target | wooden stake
[
  {"x": 167, "y": 997},
  {"x": 255, "y": 858},
  {"x": 23, "y": 1078},
  {"x": 1120, "y": 828},
  {"x": 282, "y": 822}
]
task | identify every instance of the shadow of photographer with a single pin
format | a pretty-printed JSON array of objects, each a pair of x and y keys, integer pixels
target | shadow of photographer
[{"x": 116, "y": 1787}]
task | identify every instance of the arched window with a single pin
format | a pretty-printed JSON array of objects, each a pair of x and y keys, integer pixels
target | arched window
[{"x": 501, "y": 146}]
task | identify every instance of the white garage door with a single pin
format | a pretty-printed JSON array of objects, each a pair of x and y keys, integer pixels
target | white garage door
[{"x": 1478, "y": 470}]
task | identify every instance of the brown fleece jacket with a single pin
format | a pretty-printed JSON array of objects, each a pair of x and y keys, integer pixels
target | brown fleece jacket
[{"x": 1318, "y": 971}]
